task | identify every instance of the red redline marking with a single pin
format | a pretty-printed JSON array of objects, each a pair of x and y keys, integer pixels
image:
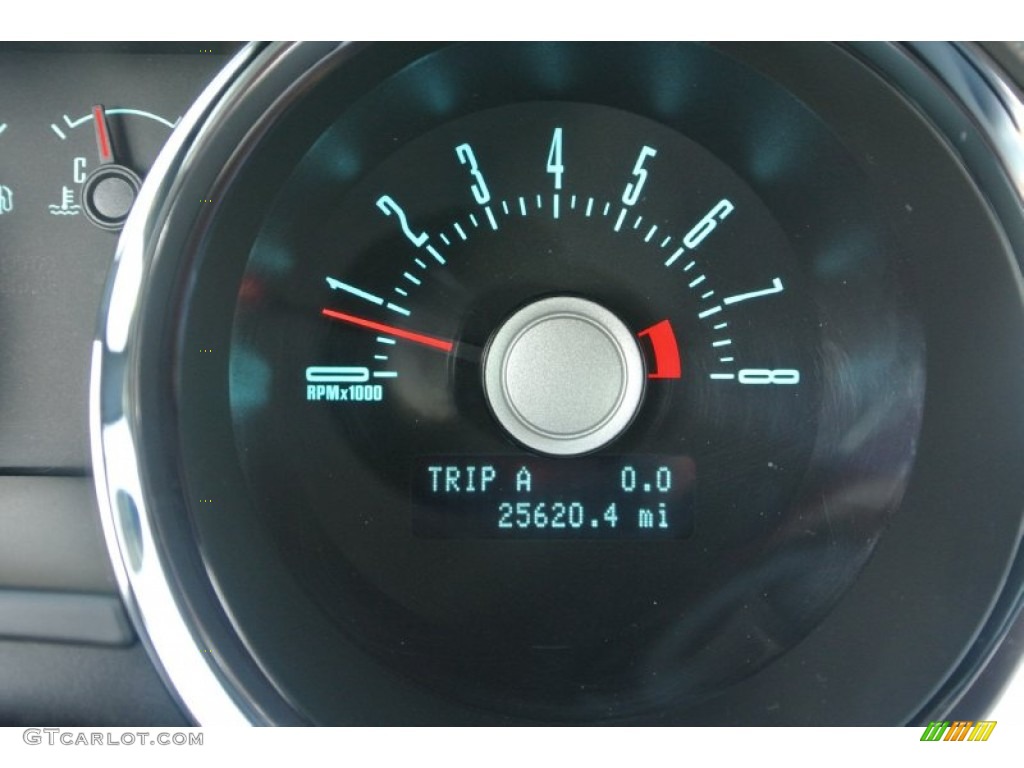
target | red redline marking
[
  {"x": 419, "y": 338},
  {"x": 666, "y": 351},
  {"x": 101, "y": 133}
]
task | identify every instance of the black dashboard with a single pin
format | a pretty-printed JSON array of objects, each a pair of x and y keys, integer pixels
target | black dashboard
[{"x": 521, "y": 383}]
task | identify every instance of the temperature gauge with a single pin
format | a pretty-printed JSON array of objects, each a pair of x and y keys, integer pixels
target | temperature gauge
[{"x": 111, "y": 151}]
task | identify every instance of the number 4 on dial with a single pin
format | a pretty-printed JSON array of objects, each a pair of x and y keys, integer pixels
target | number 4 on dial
[{"x": 555, "y": 164}]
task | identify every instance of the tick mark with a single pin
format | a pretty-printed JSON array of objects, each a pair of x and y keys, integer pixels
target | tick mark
[{"x": 618, "y": 221}]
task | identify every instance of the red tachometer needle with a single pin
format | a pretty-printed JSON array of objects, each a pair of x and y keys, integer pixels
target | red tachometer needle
[
  {"x": 419, "y": 338},
  {"x": 99, "y": 117}
]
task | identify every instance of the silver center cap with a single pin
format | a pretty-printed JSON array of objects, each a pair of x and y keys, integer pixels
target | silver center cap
[{"x": 564, "y": 376}]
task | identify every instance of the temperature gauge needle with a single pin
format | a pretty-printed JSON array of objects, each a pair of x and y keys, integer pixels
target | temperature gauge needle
[
  {"x": 110, "y": 189},
  {"x": 420, "y": 338},
  {"x": 103, "y": 144}
]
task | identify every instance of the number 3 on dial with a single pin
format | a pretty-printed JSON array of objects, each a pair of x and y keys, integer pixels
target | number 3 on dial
[{"x": 480, "y": 192}]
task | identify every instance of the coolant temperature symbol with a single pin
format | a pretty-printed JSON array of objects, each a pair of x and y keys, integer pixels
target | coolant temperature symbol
[{"x": 67, "y": 206}]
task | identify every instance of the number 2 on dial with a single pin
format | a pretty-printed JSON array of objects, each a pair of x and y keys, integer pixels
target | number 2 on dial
[{"x": 389, "y": 207}]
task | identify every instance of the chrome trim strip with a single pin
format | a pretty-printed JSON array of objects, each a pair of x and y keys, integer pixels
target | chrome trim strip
[{"x": 63, "y": 617}]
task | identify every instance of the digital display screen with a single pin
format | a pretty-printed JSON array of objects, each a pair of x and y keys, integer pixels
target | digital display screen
[{"x": 594, "y": 497}]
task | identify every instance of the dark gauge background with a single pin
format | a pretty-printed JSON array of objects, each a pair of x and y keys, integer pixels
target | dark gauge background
[{"x": 795, "y": 486}]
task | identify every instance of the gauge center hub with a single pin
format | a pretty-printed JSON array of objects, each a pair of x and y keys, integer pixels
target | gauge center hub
[
  {"x": 108, "y": 195},
  {"x": 563, "y": 376}
]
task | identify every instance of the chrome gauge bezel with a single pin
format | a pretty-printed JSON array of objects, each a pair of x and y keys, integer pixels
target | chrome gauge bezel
[
  {"x": 201, "y": 649},
  {"x": 150, "y": 591}
]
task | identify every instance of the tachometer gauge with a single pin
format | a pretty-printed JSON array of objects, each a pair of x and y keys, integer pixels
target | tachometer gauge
[{"x": 557, "y": 383}]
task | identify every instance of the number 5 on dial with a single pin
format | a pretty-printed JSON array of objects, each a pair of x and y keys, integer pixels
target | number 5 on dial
[{"x": 633, "y": 188}]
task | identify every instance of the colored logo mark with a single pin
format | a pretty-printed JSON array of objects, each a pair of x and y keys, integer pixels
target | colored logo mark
[{"x": 959, "y": 730}]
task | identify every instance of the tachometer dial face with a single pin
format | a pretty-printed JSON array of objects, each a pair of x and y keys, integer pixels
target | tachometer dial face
[{"x": 563, "y": 283}]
